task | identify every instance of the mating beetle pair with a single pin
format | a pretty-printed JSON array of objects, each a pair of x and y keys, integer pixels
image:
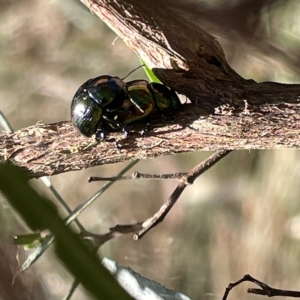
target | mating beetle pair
[{"x": 108, "y": 101}]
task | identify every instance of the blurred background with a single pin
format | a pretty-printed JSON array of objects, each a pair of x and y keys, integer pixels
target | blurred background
[{"x": 242, "y": 216}]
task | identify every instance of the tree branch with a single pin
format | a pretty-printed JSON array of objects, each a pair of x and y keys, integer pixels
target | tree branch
[
  {"x": 227, "y": 111},
  {"x": 264, "y": 290},
  {"x": 185, "y": 57},
  {"x": 56, "y": 148}
]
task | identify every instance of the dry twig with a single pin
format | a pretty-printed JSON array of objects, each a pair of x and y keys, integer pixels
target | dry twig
[
  {"x": 264, "y": 290},
  {"x": 141, "y": 228}
]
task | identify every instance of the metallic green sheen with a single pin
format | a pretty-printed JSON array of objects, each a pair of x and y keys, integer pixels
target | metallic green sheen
[
  {"x": 144, "y": 99},
  {"x": 107, "y": 101},
  {"x": 86, "y": 114}
]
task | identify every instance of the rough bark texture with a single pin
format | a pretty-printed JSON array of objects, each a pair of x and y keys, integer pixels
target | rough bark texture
[{"x": 227, "y": 111}]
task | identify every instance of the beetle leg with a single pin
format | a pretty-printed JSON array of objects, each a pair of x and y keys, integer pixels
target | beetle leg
[
  {"x": 102, "y": 135},
  {"x": 115, "y": 124},
  {"x": 101, "y": 132},
  {"x": 145, "y": 129}
]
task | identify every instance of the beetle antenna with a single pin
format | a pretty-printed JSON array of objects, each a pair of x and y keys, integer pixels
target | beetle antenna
[{"x": 141, "y": 66}]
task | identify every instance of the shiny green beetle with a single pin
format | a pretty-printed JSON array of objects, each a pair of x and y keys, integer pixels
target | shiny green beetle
[
  {"x": 107, "y": 101},
  {"x": 103, "y": 93},
  {"x": 145, "y": 98}
]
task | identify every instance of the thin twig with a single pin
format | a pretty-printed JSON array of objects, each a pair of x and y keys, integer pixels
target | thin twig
[
  {"x": 80, "y": 208},
  {"x": 141, "y": 228},
  {"x": 184, "y": 181},
  {"x": 264, "y": 290},
  {"x": 114, "y": 232},
  {"x": 138, "y": 175}
]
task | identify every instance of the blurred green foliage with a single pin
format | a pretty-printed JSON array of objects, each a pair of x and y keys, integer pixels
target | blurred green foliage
[{"x": 40, "y": 213}]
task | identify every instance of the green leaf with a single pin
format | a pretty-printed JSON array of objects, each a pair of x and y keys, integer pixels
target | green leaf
[
  {"x": 149, "y": 73},
  {"x": 27, "y": 239}
]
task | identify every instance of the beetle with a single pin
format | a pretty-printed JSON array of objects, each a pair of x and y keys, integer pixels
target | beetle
[
  {"x": 144, "y": 99},
  {"x": 95, "y": 95},
  {"x": 108, "y": 101}
]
